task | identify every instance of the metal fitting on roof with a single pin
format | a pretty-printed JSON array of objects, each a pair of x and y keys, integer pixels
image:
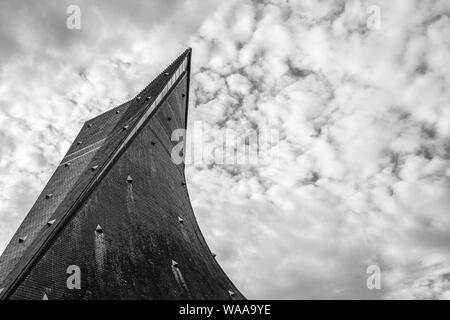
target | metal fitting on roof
[{"x": 99, "y": 229}]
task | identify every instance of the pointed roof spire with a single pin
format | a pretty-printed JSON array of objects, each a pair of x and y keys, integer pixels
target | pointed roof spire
[
  {"x": 181, "y": 61},
  {"x": 45, "y": 297},
  {"x": 28, "y": 261}
]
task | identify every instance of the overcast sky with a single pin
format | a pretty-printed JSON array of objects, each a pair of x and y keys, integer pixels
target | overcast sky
[{"x": 363, "y": 176}]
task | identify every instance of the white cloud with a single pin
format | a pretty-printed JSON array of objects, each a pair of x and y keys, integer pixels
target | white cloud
[{"x": 363, "y": 171}]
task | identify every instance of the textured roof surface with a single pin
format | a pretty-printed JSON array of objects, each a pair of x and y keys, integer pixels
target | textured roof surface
[{"x": 87, "y": 158}]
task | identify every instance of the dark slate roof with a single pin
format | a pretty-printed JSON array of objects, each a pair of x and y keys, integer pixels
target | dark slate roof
[{"x": 81, "y": 169}]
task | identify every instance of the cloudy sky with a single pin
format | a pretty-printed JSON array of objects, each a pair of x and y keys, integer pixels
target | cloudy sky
[{"x": 361, "y": 175}]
